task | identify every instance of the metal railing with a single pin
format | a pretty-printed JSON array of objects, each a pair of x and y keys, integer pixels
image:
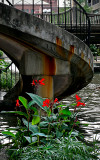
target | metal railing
[
  {"x": 73, "y": 19},
  {"x": 9, "y": 76},
  {"x": 94, "y": 19}
]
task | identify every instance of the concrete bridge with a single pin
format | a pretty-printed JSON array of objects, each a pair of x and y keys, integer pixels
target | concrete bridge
[{"x": 42, "y": 50}]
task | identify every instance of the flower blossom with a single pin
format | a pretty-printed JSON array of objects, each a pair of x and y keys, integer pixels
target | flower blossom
[
  {"x": 41, "y": 81},
  {"x": 33, "y": 83},
  {"x": 56, "y": 100},
  {"x": 17, "y": 103},
  {"x": 77, "y": 98},
  {"x": 46, "y": 103},
  {"x": 36, "y": 82},
  {"x": 78, "y": 102}
]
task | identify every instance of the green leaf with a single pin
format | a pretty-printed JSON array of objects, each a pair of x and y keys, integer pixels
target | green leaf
[
  {"x": 58, "y": 134},
  {"x": 35, "y": 110},
  {"x": 35, "y": 120},
  {"x": 61, "y": 105},
  {"x": 40, "y": 134},
  {"x": 17, "y": 112},
  {"x": 31, "y": 103},
  {"x": 38, "y": 100},
  {"x": 44, "y": 124},
  {"x": 65, "y": 112},
  {"x": 32, "y": 128},
  {"x": 31, "y": 139},
  {"x": 24, "y": 101},
  {"x": 7, "y": 133}
]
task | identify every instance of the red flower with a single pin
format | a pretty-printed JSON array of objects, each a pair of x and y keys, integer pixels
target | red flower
[
  {"x": 80, "y": 104},
  {"x": 17, "y": 103},
  {"x": 56, "y": 100},
  {"x": 46, "y": 103},
  {"x": 77, "y": 98},
  {"x": 33, "y": 83},
  {"x": 41, "y": 81}
]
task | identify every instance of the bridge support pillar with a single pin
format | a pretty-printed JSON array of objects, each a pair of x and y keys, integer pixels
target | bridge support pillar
[{"x": 45, "y": 91}]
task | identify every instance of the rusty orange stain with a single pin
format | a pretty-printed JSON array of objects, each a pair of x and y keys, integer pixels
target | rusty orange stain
[
  {"x": 82, "y": 55},
  {"x": 49, "y": 65},
  {"x": 71, "y": 52},
  {"x": 58, "y": 41},
  {"x": 59, "y": 47},
  {"x": 47, "y": 90}
]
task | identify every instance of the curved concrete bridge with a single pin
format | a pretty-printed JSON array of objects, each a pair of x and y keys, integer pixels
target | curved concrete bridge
[{"x": 41, "y": 49}]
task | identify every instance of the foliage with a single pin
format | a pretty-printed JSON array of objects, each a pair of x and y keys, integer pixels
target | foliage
[
  {"x": 1, "y": 53},
  {"x": 68, "y": 148},
  {"x": 3, "y": 64},
  {"x": 84, "y": 4},
  {"x": 95, "y": 50},
  {"x": 5, "y": 81},
  {"x": 47, "y": 137}
]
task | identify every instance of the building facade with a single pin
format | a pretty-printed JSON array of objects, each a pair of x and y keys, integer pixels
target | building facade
[
  {"x": 37, "y": 7},
  {"x": 95, "y": 5}
]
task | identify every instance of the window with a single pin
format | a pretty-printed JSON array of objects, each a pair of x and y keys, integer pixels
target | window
[
  {"x": 31, "y": 11},
  {"x": 95, "y": 2},
  {"x": 26, "y": 10}
]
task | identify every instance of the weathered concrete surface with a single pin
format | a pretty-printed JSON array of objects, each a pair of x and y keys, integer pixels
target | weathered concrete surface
[{"x": 41, "y": 49}]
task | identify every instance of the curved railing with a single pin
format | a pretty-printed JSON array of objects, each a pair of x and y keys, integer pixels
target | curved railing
[
  {"x": 94, "y": 19},
  {"x": 73, "y": 19},
  {"x": 9, "y": 76}
]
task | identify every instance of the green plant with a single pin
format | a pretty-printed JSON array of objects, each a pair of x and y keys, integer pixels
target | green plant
[
  {"x": 67, "y": 148},
  {"x": 51, "y": 136},
  {"x": 3, "y": 64},
  {"x": 7, "y": 82},
  {"x": 1, "y": 53}
]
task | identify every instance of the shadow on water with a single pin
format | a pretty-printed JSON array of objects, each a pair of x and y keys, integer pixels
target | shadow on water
[{"x": 90, "y": 113}]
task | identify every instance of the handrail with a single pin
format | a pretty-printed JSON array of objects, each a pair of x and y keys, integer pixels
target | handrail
[{"x": 75, "y": 20}]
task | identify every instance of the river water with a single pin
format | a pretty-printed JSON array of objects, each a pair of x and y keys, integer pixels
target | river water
[{"x": 89, "y": 114}]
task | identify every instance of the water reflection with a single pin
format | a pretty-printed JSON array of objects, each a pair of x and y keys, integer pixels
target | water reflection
[
  {"x": 6, "y": 121},
  {"x": 90, "y": 114}
]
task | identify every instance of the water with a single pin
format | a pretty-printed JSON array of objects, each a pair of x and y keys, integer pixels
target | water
[{"x": 89, "y": 114}]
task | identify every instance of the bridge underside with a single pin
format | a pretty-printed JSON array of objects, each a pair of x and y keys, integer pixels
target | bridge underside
[{"x": 42, "y": 50}]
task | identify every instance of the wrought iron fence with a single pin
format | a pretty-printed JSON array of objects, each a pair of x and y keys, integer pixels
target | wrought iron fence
[
  {"x": 9, "y": 76},
  {"x": 72, "y": 18},
  {"x": 94, "y": 18}
]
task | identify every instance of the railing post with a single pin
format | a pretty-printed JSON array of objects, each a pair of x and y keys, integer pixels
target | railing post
[
  {"x": 74, "y": 10},
  {"x": 58, "y": 11},
  {"x": 22, "y": 5},
  {"x": 51, "y": 9},
  {"x": 42, "y": 8},
  {"x": 33, "y": 7},
  {"x": 65, "y": 12}
]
